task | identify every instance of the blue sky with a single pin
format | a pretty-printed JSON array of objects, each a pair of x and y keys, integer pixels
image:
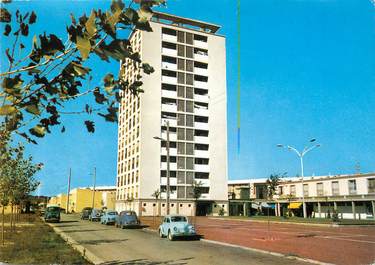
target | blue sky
[{"x": 307, "y": 71}]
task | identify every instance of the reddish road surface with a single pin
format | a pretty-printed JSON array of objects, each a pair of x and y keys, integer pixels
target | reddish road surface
[{"x": 338, "y": 245}]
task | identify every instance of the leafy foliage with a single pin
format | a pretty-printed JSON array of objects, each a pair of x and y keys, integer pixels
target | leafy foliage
[
  {"x": 197, "y": 191},
  {"x": 156, "y": 194},
  {"x": 272, "y": 183},
  {"x": 35, "y": 88},
  {"x": 16, "y": 172}
]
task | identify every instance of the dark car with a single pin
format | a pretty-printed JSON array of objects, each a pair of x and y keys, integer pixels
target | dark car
[
  {"x": 95, "y": 215},
  {"x": 86, "y": 212},
  {"x": 52, "y": 214},
  {"x": 127, "y": 219}
]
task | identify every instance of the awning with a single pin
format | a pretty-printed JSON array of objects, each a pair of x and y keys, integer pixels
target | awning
[
  {"x": 294, "y": 205},
  {"x": 265, "y": 205},
  {"x": 255, "y": 205}
]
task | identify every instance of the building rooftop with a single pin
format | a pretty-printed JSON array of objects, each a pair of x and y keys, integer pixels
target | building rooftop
[
  {"x": 97, "y": 188},
  {"x": 185, "y": 22},
  {"x": 263, "y": 180}
]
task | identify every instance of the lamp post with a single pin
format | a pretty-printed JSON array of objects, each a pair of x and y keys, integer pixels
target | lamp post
[
  {"x": 168, "y": 162},
  {"x": 301, "y": 155},
  {"x": 93, "y": 192}
]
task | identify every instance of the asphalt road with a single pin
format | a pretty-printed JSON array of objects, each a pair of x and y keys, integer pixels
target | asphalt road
[{"x": 136, "y": 246}]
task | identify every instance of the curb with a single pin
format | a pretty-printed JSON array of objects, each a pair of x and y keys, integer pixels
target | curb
[
  {"x": 266, "y": 252},
  {"x": 87, "y": 254},
  {"x": 255, "y": 250}
]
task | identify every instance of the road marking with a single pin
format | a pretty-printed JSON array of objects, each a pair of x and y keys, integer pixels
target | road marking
[
  {"x": 347, "y": 239},
  {"x": 261, "y": 228},
  {"x": 266, "y": 252}
]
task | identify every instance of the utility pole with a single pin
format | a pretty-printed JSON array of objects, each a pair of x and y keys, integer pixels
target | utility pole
[
  {"x": 168, "y": 168},
  {"x": 93, "y": 191},
  {"x": 67, "y": 200}
]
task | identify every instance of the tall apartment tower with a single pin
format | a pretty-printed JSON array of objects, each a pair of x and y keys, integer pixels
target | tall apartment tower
[{"x": 187, "y": 89}]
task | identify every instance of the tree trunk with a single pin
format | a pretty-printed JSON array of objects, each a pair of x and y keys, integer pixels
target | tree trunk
[
  {"x": 11, "y": 218},
  {"x": 195, "y": 212},
  {"x": 2, "y": 224}
]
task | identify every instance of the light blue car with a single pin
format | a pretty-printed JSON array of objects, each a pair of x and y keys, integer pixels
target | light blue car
[
  {"x": 176, "y": 226},
  {"x": 108, "y": 217}
]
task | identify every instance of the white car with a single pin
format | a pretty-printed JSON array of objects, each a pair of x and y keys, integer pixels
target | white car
[{"x": 176, "y": 226}]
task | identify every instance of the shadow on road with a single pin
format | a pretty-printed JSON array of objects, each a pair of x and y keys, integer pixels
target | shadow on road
[
  {"x": 188, "y": 238},
  {"x": 69, "y": 221},
  {"x": 148, "y": 262},
  {"x": 58, "y": 225},
  {"x": 101, "y": 241}
]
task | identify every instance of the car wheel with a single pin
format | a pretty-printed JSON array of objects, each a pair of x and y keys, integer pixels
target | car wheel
[
  {"x": 161, "y": 234},
  {"x": 170, "y": 236}
]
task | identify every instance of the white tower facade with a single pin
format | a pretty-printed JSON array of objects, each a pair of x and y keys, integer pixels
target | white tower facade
[{"x": 187, "y": 89}]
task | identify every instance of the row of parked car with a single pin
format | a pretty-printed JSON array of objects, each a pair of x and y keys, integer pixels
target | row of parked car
[
  {"x": 171, "y": 227},
  {"x": 123, "y": 219}
]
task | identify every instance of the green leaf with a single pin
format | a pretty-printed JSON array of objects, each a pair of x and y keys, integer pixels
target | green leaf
[
  {"x": 90, "y": 25},
  {"x": 28, "y": 139},
  {"x": 12, "y": 85},
  {"x": 148, "y": 69},
  {"x": 7, "y": 110},
  {"x": 88, "y": 109},
  {"x": 117, "y": 5},
  {"x": 33, "y": 109},
  {"x": 117, "y": 49},
  {"x": 109, "y": 83},
  {"x": 38, "y": 131},
  {"x": 7, "y": 30},
  {"x": 111, "y": 116},
  {"x": 50, "y": 45},
  {"x": 24, "y": 29},
  {"x": 90, "y": 125},
  {"x": 5, "y": 16},
  {"x": 144, "y": 13},
  {"x": 32, "y": 18},
  {"x": 84, "y": 47},
  {"x": 99, "y": 97},
  {"x": 80, "y": 70},
  {"x": 130, "y": 16}
]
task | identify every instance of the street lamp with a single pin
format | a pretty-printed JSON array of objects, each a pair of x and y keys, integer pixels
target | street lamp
[
  {"x": 301, "y": 155},
  {"x": 168, "y": 162}
]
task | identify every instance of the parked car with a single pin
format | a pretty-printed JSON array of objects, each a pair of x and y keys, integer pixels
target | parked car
[
  {"x": 86, "y": 213},
  {"x": 176, "y": 226},
  {"x": 127, "y": 219},
  {"x": 95, "y": 215},
  {"x": 52, "y": 214},
  {"x": 108, "y": 217}
]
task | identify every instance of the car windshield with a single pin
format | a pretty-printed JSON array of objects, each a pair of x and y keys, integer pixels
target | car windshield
[
  {"x": 178, "y": 219},
  {"x": 112, "y": 213},
  {"x": 53, "y": 209},
  {"x": 129, "y": 213}
]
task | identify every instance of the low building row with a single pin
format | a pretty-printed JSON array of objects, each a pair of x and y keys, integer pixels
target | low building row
[
  {"x": 350, "y": 196},
  {"x": 79, "y": 198}
]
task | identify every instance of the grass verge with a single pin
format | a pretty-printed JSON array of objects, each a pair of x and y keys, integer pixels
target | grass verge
[{"x": 34, "y": 242}]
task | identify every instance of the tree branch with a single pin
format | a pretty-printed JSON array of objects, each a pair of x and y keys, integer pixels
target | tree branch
[{"x": 37, "y": 65}]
